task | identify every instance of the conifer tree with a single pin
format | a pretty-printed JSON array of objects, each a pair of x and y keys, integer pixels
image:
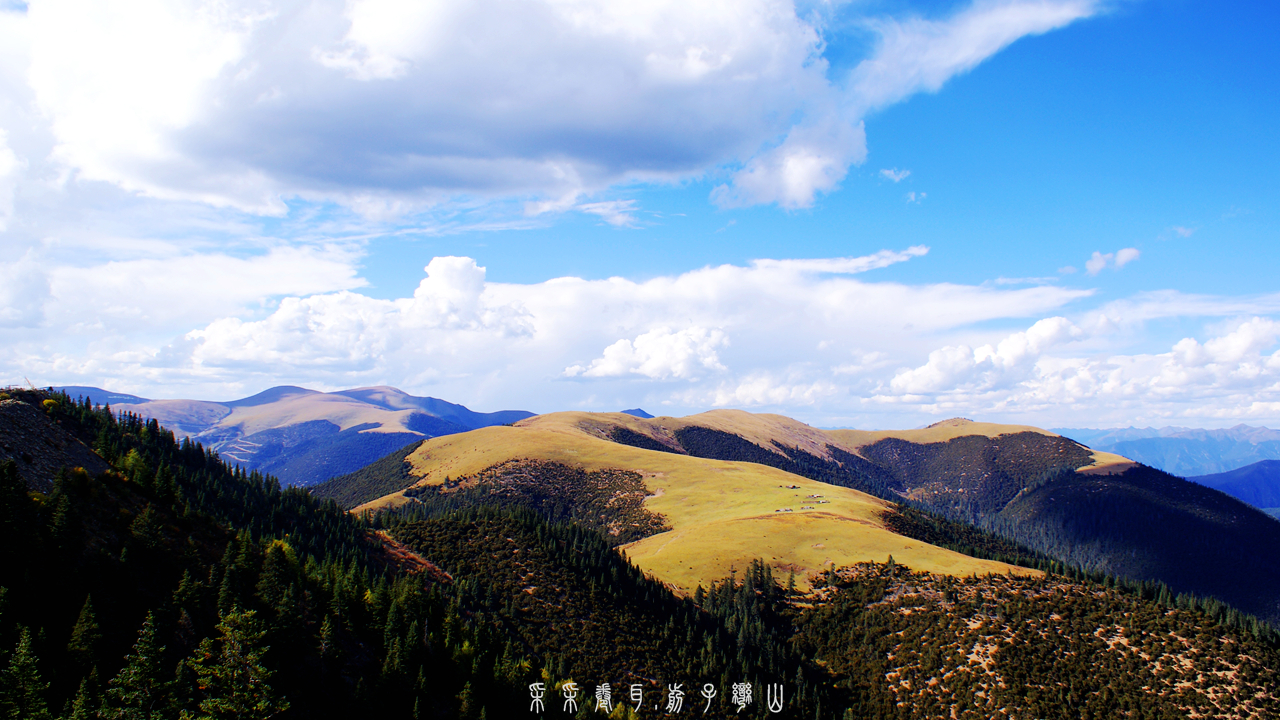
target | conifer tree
[
  {"x": 230, "y": 673},
  {"x": 21, "y": 689},
  {"x": 85, "y": 636},
  {"x": 81, "y": 707},
  {"x": 140, "y": 692}
]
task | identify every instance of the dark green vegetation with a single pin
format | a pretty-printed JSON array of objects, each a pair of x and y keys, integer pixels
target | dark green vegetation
[
  {"x": 171, "y": 582},
  {"x": 1148, "y": 525},
  {"x": 609, "y": 501},
  {"x": 1257, "y": 484},
  {"x": 564, "y": 594},
  {"x": 853, "y": 472},
  {"x": 974, "y": 475},
  {"x": 627, "y": 436},
  {"x": 909, "y": 645},
  {"x": 913, "y": 522},
  {"x": 382, "y": 477}
]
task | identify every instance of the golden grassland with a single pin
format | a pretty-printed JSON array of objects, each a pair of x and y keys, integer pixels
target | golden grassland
[{"x": 722, "y": 514}]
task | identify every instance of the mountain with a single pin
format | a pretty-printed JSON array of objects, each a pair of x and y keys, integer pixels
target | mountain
[
  {"x": 1257, "y": 484},
  {"x": 172, "y": 584},
  {"x": 802, "y": 497},
  {"x": 1186, "y": 451},
  {"x": 687, "y": 520},
  {"x": 637, "y": 412},
  {"x": 304, "y": 436}
]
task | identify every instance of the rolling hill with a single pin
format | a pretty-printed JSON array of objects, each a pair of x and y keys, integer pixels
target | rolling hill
[
  {"x": 730, "y": 484},
  {"x": 304, "y": 436},
  {"x": 722, "y": 514}
]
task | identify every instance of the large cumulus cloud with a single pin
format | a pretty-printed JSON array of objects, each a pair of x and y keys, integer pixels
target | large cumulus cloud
[{"x": 393, "y": 104}]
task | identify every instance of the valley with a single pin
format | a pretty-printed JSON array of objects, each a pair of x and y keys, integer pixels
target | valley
[{"x": 895, "y": 574}]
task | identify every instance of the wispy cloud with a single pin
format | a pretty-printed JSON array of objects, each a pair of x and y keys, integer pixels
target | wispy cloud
[
  {"x": 916, "y": 198},
  {"x": 1116, "y": 260},
  {"x": 895, "y": 174},
  {"x": 619, "y": 213}
]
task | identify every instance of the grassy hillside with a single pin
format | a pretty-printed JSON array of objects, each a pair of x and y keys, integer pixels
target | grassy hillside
[
  {"x": 1043, "y": 492},
  {"x": 728, "y": 498},
  {"x": 722, "y": 514}
]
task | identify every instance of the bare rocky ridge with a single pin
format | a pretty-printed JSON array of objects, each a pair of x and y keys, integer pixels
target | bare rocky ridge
[{"x": 39, "y": 447}]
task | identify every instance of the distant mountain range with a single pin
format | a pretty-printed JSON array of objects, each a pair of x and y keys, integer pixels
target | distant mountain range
[
  {"x": 1185, "y": 452},
  {"x": 305, "y": 436}
]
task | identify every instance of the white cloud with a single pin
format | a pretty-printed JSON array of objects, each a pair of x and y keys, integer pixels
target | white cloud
[
  {"x": 1100, "y": 261},
  {"x": 10, "y": 167},
  {"x": 619, "y": 213},
  {"x": 809, "y": 337},
  {"x": 844, "y": 266},
  {"x": 465, "y": 338},
  {"x": 812, "y": 159},
  {"x": 916, "y": 198},
  {"x": 765, "y": 389},
  {"x": 895, "y": 174},
  {"x": 1184, "y": 232},
  {"x": 1124, "y": 256},
  {"x": 24, "y": 289},
  {"x": 1229, "y": 376},
  {"x": 960, "y": 367},
  {"x": 1095, "y": 264},
  {"x": 917, "y": 55},
  {"x": 659, "y": 354},
  {"x": 389, "y": 106}
]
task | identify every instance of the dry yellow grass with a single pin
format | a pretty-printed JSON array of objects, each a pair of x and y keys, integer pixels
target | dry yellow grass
[
  {"x": 1105, "y": 463},
  {"x": 937, "y": 432},
  {"x": 722, "y": 514}
]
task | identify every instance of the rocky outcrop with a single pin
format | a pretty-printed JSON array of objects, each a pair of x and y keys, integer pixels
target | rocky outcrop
[{"x": 39, "y": 447}]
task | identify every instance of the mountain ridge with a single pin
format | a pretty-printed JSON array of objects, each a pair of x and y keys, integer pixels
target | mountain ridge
[
  {"x": 306, "y": 436},
  {"x": 1096, "y": 511}
]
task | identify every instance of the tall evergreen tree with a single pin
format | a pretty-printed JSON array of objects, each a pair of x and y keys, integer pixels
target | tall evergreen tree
[
  {"x": 85, "y": 636},
  {"x": 21, "y": 689},
  {"x": 140, "y": 691},
  {"x": 81, "y": 707},
  {"x": 231, "y": 675}
]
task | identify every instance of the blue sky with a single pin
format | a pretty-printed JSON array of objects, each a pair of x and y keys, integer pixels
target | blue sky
[{"x": 1065, "y": 210}]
